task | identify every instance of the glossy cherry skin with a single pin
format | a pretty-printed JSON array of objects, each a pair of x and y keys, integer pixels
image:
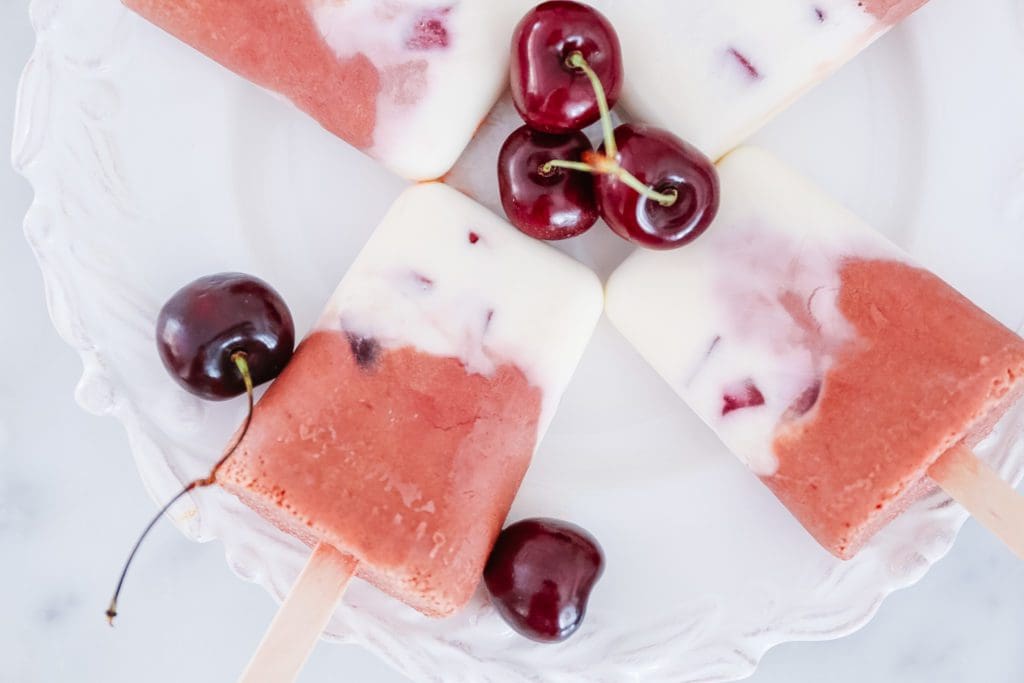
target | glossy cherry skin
[
  {"x": 662, "y": 161},
  {"x": 548, "y": 206},
  {"x": 207, "y": 321},
  {"x": 550, "y": 95},
  {"x": 540, "y": 575}
]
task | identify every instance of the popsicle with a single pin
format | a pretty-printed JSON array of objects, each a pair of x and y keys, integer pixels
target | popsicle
[
  {"x": 403, "y": 425},
  {"x": 407, "y": 81},
  {"x": 715, "y": 72},
  {"x": 839, "y": 371}
]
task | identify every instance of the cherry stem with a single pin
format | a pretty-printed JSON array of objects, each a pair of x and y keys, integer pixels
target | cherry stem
[
  {"x": 608, "y": 163},
  {"x": 577, "y": 61},
  {"x": 239, "y": 359},
  {"x": 549, "y": 167},
  {"x": 607, "y": 166},
  {"x": 666, "y": 199}
]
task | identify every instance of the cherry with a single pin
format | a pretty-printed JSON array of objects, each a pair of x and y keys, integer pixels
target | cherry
[
  {"x": 551, "y": 91},
  {"x": 219, "y": 337},
  {"x": 546, "y": 203},
  {"x": 208, "y": 321},
  {"x": 540, "y": 575},
  {"x": 679, "y": 173}
]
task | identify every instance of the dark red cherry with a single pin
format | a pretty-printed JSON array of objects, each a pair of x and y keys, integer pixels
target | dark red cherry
[
  {"x": 206, "y": 322},
  {"x": 665, "y": 163},
  {"x": 550, "y": 95},
  {"x": 550, "y": 204},
  {"x": 540, "y": 574}
]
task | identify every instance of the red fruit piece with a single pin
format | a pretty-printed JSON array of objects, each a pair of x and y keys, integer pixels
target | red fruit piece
[
  {"x": 745, "y": 62},
  {"x": 804, "y": 402},
  {"x": 745, "y": 394},
  {"x": 430, "y": 31}
]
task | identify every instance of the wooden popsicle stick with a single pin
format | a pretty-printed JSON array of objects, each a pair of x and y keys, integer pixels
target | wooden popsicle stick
[
  {"x": 302, "y": 618},
  {"x": 989, "y": 499}
]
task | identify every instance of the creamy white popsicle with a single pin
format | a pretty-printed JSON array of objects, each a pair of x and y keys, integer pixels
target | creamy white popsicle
[
  {"x": 401, "y": 429},
  {"x": 821, "y": 355},
  {"x": 714, "y": 72},
  {"x": 407, "y": 81}
]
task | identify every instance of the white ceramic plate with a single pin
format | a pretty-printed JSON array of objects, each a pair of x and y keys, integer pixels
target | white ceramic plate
[{"x": 153, "y": 166}]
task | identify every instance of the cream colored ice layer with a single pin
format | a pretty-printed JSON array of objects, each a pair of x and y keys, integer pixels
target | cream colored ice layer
[
  {"x": 446, "y": 276},
  {"x": 835, "y": 368},
  {"x": 715, "y": 72},
  {"x": 402, "y": 428},
  {"x": 753, "y": 301},
  {"x": 408, "y": 81}
]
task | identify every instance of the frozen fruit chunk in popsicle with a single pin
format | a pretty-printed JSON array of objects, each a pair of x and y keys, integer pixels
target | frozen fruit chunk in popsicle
[
  {"x": 826, "y": 360},
  {"x": 713, "y": 72},
  {"x": 407, "y": 81},
  {"x": 401, "y": 429}
]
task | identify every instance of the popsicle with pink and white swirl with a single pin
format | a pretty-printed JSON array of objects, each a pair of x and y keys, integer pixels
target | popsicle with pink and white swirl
[
  {"x": 715, "y": 72},
  {"x": 823, "y": 357},
  {"x": 407, "y": 81},
  {"x": 402, "y": 427}
]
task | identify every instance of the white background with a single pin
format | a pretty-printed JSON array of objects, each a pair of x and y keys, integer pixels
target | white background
[{"x": 70, "y": 504}]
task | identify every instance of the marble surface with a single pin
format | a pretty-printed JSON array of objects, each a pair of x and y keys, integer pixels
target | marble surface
[{"x": 70, "y": 503}]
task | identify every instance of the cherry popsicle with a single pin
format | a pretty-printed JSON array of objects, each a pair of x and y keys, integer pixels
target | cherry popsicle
[
  {"x": 389, "y": 78},
  {"x": 846, "y": 377},
  {"x": 714, "y": 72},
  {"x": 396, "y": 438}
]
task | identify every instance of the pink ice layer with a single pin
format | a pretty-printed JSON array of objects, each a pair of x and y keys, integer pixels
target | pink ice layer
[
  {"x": 404, "y": 460},
  {"x": 892, "y": 11},
  {"x": 927, "y": 370},
  {"x": 275, "y": 44}
]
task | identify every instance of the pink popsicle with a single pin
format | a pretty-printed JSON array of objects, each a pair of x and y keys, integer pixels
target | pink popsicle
[
  {"x": 388, "y": 76},
  {"x": 837, "y": 369},
  {"x": 403, "y": 426}
]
